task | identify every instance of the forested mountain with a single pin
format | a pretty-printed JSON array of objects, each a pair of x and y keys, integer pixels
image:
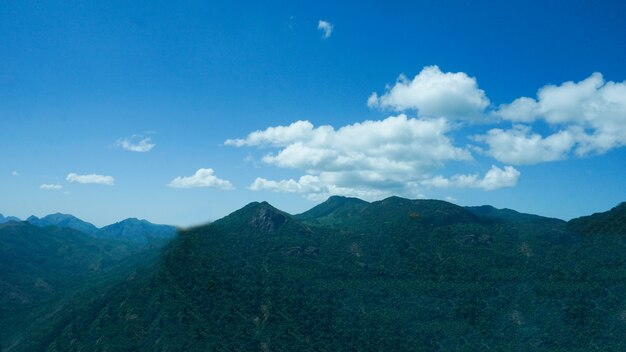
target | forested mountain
[
  {"x": 397, "y": 274},
  {"x": 42, "y": 268},
  {"x": 612, "y": 222}
]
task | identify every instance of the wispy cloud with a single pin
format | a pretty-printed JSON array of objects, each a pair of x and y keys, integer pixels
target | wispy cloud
[
  {"x": 326, "y": 28},
  {"x": 136, "y": 143},
  {"x": 90, "y": 179},
  {"x": 15, "y": 173},
  {"x": 202, "y": 178},
  {"x": 51, "y": 187}
]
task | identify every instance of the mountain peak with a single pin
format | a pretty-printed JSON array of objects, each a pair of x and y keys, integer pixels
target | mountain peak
[
  {"x": 334, "y": 205},
  {"x": 63, "y": 220},
  {"x": 268, "y": 218},
  {"x": 259, "y": 215}
]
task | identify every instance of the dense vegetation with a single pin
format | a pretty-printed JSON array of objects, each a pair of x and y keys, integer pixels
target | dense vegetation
[
  {"x": 44, "y": 268},
  {"x": 397, "y": 274}
]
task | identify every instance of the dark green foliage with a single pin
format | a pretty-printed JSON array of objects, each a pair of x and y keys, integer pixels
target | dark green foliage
[
  {"x": 393, "y": 275},
  {"x": 612, "y": 222},
  {"x": 43, "y": 268}
]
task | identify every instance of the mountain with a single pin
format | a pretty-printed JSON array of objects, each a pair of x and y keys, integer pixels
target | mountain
[
  {"x": 612, "y": 222},
  {"x": 4, "y": 219},
  {"x": 41, "y": 268},
  {"x": 63, "y": 220},
  {"x": 136, "y": 230},
  {"x": 332, "y": 209},
  {"x": 397, "y": 274}
]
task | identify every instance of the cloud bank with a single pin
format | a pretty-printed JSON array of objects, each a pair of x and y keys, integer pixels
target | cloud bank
[
  {"x": 587, "y": 117},
  {"x": 370, "y": 159},
  {"x": 400, "y": 154}
]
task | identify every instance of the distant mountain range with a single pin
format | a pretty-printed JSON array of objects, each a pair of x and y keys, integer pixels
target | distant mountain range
[
  {"x": 347, "y": 275},
  {"x": 63, "y": 220},
  {"x": 130, "y": 229},
  {"x": 4, "y": 219}
]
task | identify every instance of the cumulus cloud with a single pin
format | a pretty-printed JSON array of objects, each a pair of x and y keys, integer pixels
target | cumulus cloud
[
  {"x": 433, "y": 93},
  {"x": 395, "y": 144},
  {"x": 590, "y": 114},
  {"x": 372, "y": 157},
  {"x": 136, "y": 143},
  {"x": 90, "y": 179},
  {"x": 202, "y": 178},
  {"x": 317, "y": 188},
  {"x": 326, "y": 28},
  {"x": 15, "y": 173},
  {"x": 519, "y": 145},
  {"x": 51, "y": 186},
  {"x": 495, "y": 178}
]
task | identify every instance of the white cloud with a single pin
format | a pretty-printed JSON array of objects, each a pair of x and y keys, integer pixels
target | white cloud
[
  {"x": 326, "y": 28},
  {"x": 495, "y": 178},
  {"x": 51, "y": 186},
  {"x": 450, "y": 199},
  {"x": 592, "y": 112},
  {"x": 520, "y": 146},
  {"x": 433, "y": 93},
  {"x": 372, "y": 157},
  {"x": 202, "y": 178},
  {"x": 395, "y": 144},
  {"x": 15, "y": 173},
  {"x": 136, "y": 143},
  {"x": 317, "y": 189},
  {"x": 90, "y": 179}
]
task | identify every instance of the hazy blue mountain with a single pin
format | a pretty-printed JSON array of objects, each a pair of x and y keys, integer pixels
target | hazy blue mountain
[
  {"x": 63, "y": 220},
  {"x": 137, "y": 231},
  {"x": 4, "y": 219}
]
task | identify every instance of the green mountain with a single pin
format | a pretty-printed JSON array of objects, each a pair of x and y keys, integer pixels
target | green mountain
[
  {"x": 63, "y": 220},
  {"x": 333, "y": 210},
  {"x": 397, "y": 274},
  {"x": 136, "y": 230},
  {"x": 43, "y": 268},
  {"x": 612, "y": 222}
]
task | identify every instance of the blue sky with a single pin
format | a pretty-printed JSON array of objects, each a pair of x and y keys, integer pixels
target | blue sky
[{"x": 148, "y": 109}]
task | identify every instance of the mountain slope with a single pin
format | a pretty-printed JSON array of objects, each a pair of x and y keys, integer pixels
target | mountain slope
[
  {"x": 426, "y": 270},
  {"x": 333, "y": 209},
  {"x": 612, "y": 222},
  {"x": 40, "y": 267},
  {"x": 136, "y": 230},
  {"x": 4, "y": 219},
  {"x": 63, "y": 220},
  {"x": 399, "y": 275}
]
